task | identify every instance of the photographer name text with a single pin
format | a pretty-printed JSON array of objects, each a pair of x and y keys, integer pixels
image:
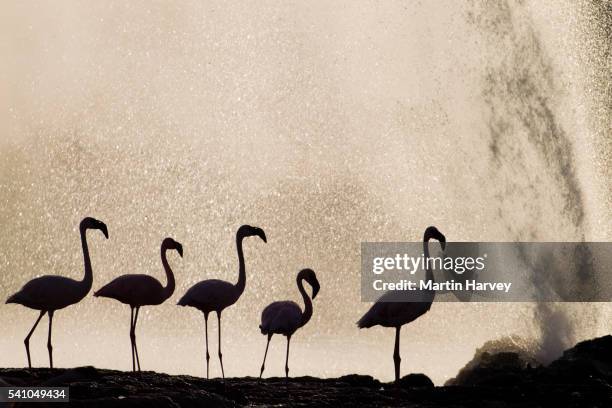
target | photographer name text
[{"x": 423, "y": 284}]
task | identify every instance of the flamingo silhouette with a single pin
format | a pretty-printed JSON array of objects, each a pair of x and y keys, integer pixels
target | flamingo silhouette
[
  {"x": 286, "y": 317},
  {"x": 52, "y": 292},
  {"x": 138, "y": 290},
  {"x": 387, "y": 313},
  {"x": 214, "y": 295}
]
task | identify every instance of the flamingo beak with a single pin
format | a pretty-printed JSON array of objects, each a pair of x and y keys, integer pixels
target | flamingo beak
[
  {"x": 437, "y": 235},
  {"x": 104, "y": 230},
  {"x": 179, "y": 249},
  {"x": 315, "y": 289},
  {"x": 261, "y": 234}
]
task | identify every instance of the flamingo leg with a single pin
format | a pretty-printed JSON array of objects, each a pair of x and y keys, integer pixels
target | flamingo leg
[
  {"x": 132, "y": 337},
  {"x": 135, "y": 345},
  {"x": 265, "y": 355},
  {"x": 220, "y": 354},
  {"x": 27, "y": 339},
  {"x": 206, "y": 334},
  {"x": 396, "y": 354},
  {"x": 287, "y": 357},
  {"x": 49, "y": 346}
]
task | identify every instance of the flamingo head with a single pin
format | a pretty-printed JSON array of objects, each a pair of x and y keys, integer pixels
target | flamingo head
[
  {"x": 248, "y": 231},
  {"x": 169, "y": 243},
  {"x": 92, "y": 223},
  {"x": 309, "y": 276},
  {"x": 432, "y": 232}
]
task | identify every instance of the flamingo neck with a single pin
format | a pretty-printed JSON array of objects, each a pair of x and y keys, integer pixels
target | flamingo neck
[
  {"x": 169, "y": 288},
  {"x": 88, "y": 278},
  {"x": 429, "y": 273},
  {"x": 241, "y": 267},
  {"x": 307, "y": 314}
]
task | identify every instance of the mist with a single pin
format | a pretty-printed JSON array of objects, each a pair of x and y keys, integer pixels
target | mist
[{"x": 324, "y": 124}]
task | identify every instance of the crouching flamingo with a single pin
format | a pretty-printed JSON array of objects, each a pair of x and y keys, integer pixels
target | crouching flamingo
[{"x": 286, "y": 317}]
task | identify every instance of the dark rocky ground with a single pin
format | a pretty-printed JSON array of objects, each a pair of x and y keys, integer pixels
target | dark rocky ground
[{"x": 582, "y": 377}]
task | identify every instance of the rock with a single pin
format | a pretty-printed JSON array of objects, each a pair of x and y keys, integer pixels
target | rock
[
  {"x": 359, "y": 380},
  {"x": 594, "y": 350},
  {"x": 71, "y": 376},
  {"x": 589, "y": 361},
  {"x": 500, "y": 369},
  {"x": 581, "y": 377},
  {"x": 415, "y": 381}
]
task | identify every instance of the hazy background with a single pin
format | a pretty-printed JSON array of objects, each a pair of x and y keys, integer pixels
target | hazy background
[{"x": 325, "y": 123}]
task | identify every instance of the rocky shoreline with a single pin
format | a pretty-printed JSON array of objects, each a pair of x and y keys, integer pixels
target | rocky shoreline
[{"x": 582, "y": 377}]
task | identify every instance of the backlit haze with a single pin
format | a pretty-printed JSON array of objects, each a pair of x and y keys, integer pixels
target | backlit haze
[{"x": 326, "y": 124}]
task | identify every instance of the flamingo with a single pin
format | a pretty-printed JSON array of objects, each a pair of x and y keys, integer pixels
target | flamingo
[
  {"x": 214, "y": 295},
  {"x": 286, "y": 317},
  {"x": 139, "y": 290},
  {"x": 387, "y": 313},
  {"x": 52, "y": 292}
]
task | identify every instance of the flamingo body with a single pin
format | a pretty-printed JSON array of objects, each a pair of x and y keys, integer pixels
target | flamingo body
[
  {"x": 134, "y": 290},
  {"x": 393, "y": 314},
  {"x": 49, "y": 292},
  {"x": 283, "y": 317},
  {"x": 212, "y": 295}
]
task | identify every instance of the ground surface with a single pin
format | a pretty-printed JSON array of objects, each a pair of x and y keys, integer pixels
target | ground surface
[{"x": 582, "y": 377}]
